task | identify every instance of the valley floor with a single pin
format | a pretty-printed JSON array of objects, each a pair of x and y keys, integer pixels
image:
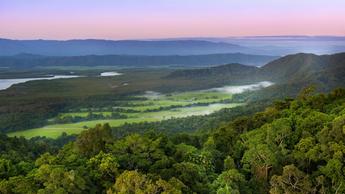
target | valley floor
[{"x": 155, "y": 107}]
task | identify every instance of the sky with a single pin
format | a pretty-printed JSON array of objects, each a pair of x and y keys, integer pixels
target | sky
[{"x": 148, "y": 19}]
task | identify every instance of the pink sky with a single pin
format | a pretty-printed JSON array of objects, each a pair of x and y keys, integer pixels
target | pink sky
[{"x": 138, "y": 19}]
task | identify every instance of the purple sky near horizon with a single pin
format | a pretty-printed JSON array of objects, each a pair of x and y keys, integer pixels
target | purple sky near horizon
[{"x": 144, "y": 19}]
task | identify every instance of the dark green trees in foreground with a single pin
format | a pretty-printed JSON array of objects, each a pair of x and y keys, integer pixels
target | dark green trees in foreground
[{"x": 294, "y": 146}]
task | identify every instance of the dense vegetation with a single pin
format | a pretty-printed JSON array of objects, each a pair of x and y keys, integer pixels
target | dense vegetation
[
  {"x": 293, "y": 146},
  {"x": 226, "y": 74},
  {"x": 29, "y": 105},
  {"x": 131, "y": 109},
  {"x": 291, "y": 73}
]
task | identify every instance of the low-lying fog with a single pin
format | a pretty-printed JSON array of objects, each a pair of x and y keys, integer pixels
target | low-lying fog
[
  {"x": 243, "y": 88},
  {"x": 152, "y": 95},
  {"x": 226, "y": 89},
  {"x": 211, "y": 108}
]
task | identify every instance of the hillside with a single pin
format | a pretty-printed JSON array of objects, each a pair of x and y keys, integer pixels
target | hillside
[
  {"x": 294, "y": 72},
  {"x": 29, "y": 60},
  {"x": 227, "y": 74},
  {"x": 290, "y": 74}
]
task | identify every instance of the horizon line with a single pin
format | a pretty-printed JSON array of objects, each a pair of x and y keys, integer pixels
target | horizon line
[{"x": 180, "y": 38}]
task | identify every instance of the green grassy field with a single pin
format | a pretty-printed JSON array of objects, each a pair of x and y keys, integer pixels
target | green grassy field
[
  {"x": 83, "y": 114},
  {"x": 178, "y": 99},
  {"x": 55, "y": 130},
  {"x": 154, "y": 107},
  {"x": 163, "y": 101}
]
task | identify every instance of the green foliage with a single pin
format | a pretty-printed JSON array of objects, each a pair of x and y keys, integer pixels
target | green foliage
[
  {"x": 192, "y": 175},
  {"x": 134, "y": 182},
  {"x": 57, "y": 179},
  {"x": 18, "y": 184},
  {"x": 103, "y": 167},
  {"x": 93, "y": 141},
  {"x": 230, "y": 182},
  {"x": 295, "y": 146},
  {"x": 291, "y": 181}
]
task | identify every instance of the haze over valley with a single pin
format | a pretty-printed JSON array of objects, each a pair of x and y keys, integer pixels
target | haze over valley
[{"x": 172, "y": 97}]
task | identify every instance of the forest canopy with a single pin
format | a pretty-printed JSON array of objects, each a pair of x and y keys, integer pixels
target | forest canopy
[{"x": 293, "y": 146}]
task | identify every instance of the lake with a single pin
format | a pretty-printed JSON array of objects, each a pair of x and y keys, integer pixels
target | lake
[
  {"x": 111, "y": 73},
  {"x": 6, "y": 83}
]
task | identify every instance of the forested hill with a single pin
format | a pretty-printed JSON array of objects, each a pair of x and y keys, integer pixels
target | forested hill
[
  {"x": 125, "y": 61},
  {"x": 307, "y": 67},
  {"x": 295, "y": 146},
  {"x": 229, "y": 74},
  {"x": 294, "y": 72},
  {"x": 290, "y": 74},
  {"x": 229, "y": 70}
]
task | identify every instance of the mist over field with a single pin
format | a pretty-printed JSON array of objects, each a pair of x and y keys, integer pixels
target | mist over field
[{"x": 244, "y": 88}]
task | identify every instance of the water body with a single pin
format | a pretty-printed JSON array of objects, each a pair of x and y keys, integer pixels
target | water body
[
  {"x": 110, "y": 73},
  {"x": 6, "y": 83}
]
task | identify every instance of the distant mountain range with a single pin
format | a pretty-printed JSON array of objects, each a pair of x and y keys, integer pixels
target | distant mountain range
[
  {"x": 256, "y": 45},
  {"x": 264, "y": 38},
  {"x": 283, "y": 45},
  {"x": 126, "y": 61},
  {"x": 125, "y": 47}
]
